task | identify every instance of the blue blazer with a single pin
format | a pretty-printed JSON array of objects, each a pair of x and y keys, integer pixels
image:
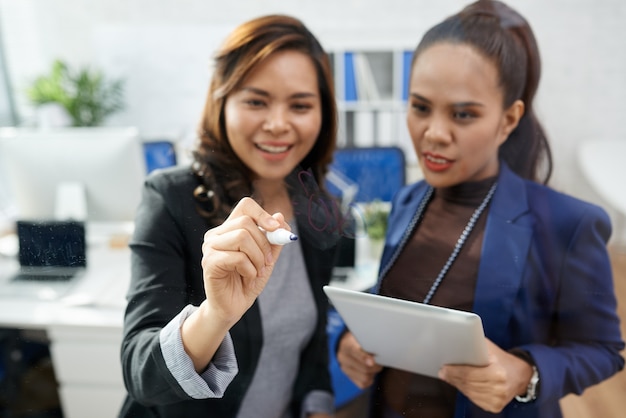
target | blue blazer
[{"x": 544, "y": 285}]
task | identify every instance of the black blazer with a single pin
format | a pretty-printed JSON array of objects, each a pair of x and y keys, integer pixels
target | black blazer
[{"x": 166, "y": 276}]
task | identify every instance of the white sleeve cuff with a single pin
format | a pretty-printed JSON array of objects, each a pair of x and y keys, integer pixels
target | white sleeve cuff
[{"x": 212, "y": 383}]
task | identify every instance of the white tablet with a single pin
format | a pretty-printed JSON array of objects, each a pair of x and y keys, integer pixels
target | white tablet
[{"x": 408, "y": 335}]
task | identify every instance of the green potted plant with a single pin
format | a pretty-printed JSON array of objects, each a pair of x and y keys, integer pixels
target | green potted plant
[
  {"x": 376, "y": 214},
  {"x": 86, "y": 96}
]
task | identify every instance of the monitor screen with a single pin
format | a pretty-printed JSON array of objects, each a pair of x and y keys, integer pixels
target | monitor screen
[{"x": 107, "y": 165}]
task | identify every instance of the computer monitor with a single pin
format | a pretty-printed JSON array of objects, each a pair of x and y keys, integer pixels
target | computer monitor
[{"x": 48, "y": 172}]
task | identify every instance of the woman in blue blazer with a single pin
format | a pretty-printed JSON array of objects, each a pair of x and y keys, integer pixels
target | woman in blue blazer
[{"x": 481, "y": 233}]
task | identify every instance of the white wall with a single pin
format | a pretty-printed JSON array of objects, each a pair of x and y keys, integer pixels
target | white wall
[{"x": 162, "y": 48}]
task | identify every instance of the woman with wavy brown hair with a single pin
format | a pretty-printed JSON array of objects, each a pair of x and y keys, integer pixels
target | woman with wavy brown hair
[{"x": 220, "y": 321}]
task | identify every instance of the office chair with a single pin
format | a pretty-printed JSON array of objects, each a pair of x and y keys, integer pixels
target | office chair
[
  {"x": 159, "y": 154},
  {"x": 365, "y": 174}
]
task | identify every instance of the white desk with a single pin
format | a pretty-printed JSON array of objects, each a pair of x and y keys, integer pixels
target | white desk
[{"x": 84, "y": 328}]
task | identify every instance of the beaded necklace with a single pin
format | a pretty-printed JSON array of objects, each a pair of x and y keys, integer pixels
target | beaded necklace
[{"x": 460, "y": 242}]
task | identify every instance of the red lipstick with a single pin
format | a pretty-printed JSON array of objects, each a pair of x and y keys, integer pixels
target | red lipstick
[{"x": 435, "y": 162}]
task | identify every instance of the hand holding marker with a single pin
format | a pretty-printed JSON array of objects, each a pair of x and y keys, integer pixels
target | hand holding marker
[{"x": 280, "y": 236}]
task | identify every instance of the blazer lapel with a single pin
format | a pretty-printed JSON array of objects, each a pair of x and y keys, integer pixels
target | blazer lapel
[{"x": 506, "y": 242}]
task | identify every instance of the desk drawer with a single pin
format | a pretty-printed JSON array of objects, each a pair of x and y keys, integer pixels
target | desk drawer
[
  {"x": 87, "y": 362},
  {"x": 91, "y": 401}
]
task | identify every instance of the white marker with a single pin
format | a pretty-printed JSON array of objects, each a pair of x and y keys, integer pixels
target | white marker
[{"x": 280, "y": 236}]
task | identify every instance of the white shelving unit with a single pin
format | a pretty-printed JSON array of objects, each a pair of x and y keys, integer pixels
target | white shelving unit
[{"x": 371, "y": 88}]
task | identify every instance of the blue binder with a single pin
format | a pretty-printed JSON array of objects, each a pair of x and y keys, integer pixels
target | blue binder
[
  {"x": 350, "y": 79},
  {"x": 407, "y": 56}
]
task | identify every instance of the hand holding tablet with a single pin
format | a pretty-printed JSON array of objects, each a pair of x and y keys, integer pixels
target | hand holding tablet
[{"x": 409, "y": 335}]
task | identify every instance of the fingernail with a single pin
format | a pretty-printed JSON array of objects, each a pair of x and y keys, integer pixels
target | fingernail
[
  {"x": 273, "y": 222},
  {"x": 369, "y": 362},
  {"x": 269, "y": 258}
]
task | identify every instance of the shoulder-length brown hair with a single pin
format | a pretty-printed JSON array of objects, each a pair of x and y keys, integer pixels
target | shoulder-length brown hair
[{"x": 223, "y": 176}]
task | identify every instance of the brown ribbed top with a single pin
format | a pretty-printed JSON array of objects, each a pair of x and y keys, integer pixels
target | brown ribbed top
[{"x": 413, "y": 274}]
